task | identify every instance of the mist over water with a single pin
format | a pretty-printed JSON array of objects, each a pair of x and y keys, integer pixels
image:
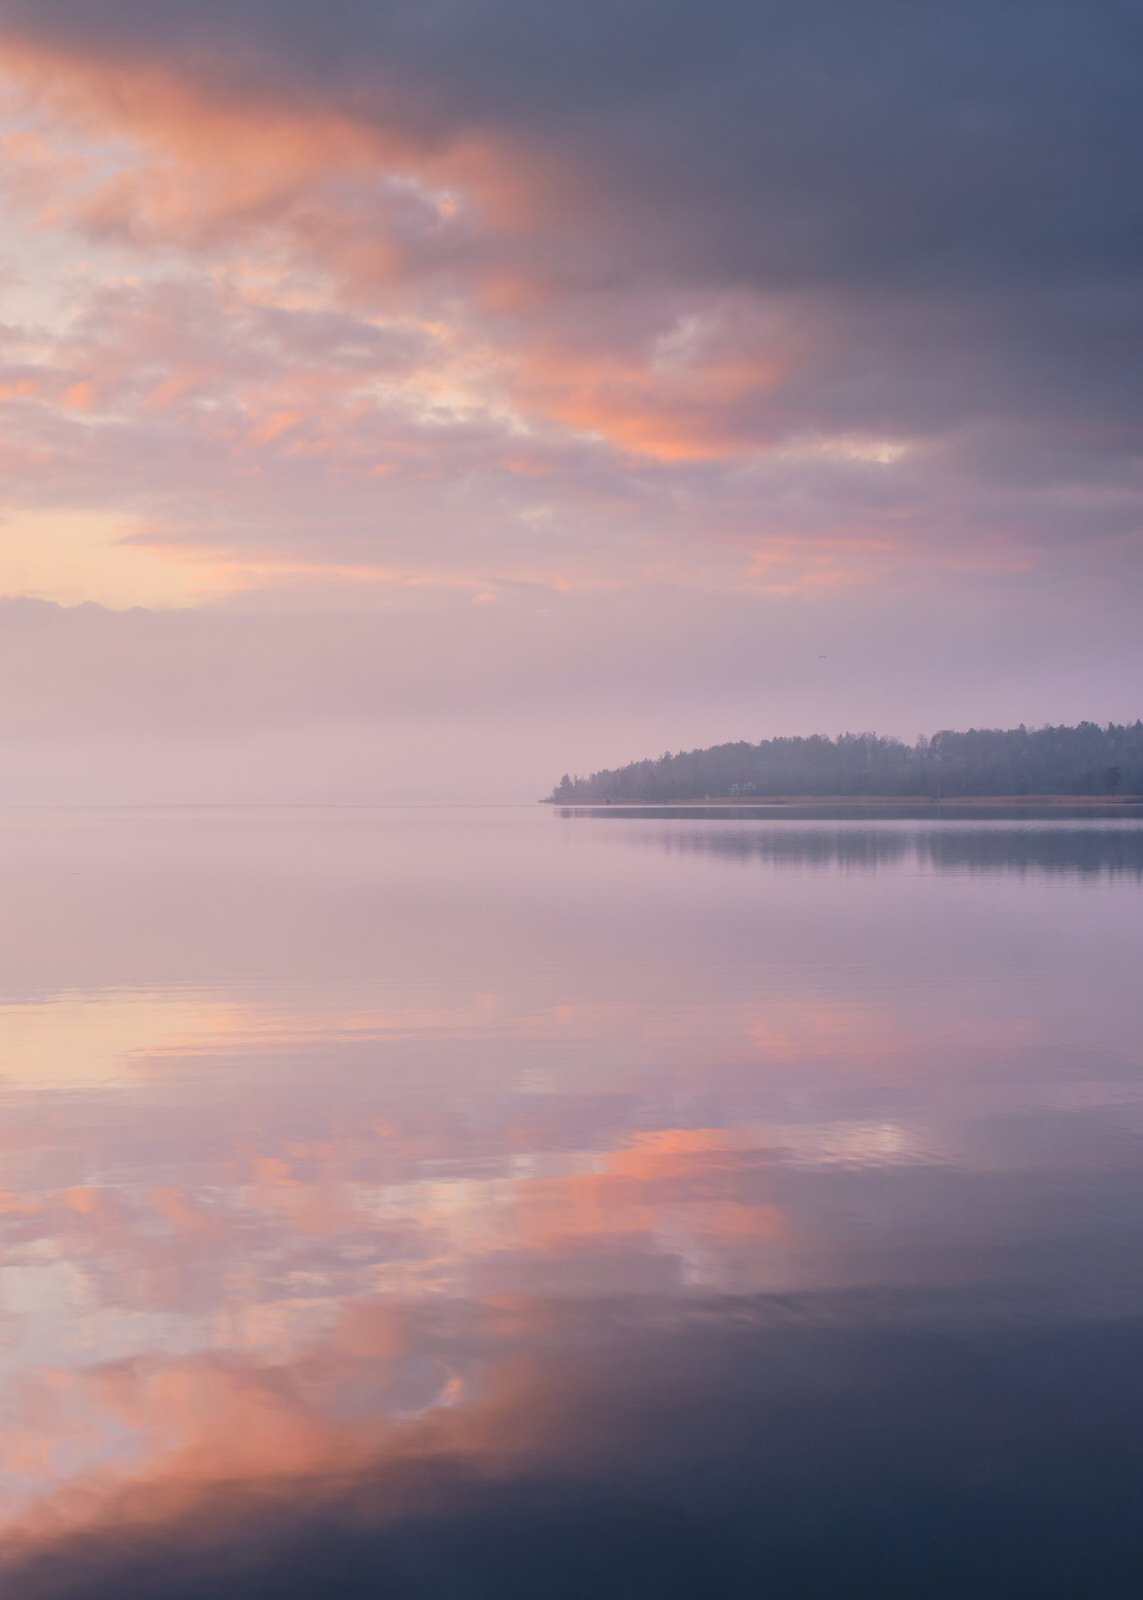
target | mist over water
[{"x": 508, "y": 1202}]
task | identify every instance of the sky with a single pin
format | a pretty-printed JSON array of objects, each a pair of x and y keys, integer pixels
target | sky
[{"x": 410, "y": 400}]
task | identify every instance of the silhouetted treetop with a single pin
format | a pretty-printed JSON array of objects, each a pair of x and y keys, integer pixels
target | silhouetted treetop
[{"x": 1084, "y": 760}]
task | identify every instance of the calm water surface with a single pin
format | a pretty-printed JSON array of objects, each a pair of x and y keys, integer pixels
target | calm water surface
[{"x": 506, "y": 1204}]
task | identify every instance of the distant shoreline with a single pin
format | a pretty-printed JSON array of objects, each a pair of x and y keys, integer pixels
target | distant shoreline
[
  {"x": 1051, "y": 766},
  {"x": 768, "y": 802}
]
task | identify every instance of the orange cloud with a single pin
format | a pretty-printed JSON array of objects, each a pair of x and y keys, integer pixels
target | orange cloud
[
  {"x": 264, "y": 152},
  {"x": 706, "y": 409}
]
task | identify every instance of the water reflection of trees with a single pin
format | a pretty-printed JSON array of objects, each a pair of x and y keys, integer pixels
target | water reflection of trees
[{"x": 1089, "y": 850}]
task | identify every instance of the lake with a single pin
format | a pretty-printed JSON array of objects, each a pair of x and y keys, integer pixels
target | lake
[{"x": 522, "y": 1203}]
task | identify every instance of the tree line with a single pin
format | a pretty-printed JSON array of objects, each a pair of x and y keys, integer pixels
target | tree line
[{"x": 1084, "y": 760}]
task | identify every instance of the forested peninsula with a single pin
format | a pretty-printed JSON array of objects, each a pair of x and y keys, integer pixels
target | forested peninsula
[{"x": 1087, "y": 760}]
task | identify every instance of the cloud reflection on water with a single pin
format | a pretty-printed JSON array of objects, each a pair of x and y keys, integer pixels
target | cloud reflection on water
[
  {"x": 859, "y": 1444},
  {"x": 387, "y": 1196}
]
